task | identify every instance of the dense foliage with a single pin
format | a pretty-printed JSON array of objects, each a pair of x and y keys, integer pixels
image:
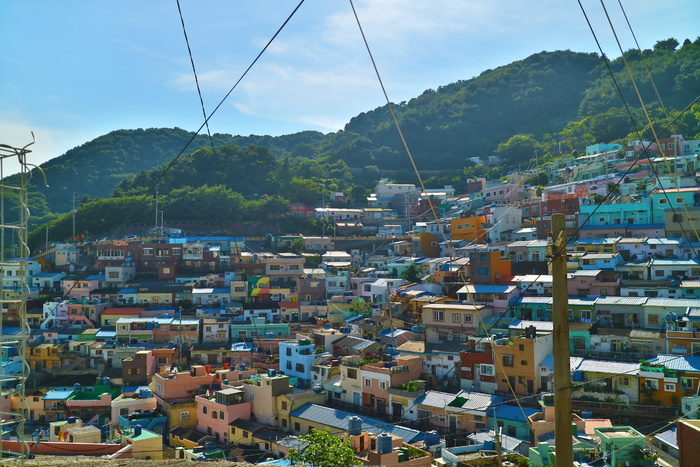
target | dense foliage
[{"x": 322, "y": 449}]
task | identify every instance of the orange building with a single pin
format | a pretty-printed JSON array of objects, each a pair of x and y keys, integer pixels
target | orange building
[
  {"x": 471, "y": 229},
  {"x": 517, "y": 363}
]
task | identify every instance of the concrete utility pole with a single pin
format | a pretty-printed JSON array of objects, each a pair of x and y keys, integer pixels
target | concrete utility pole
[{"x": 562, "y": 375}]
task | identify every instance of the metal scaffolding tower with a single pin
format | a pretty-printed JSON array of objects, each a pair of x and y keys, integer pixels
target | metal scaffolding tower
[{"x": 14, "y": 292}]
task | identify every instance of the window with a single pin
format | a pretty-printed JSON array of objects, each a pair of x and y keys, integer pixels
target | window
[
  {"x": 214, "y": 414},
  {"x": 284, "y": 405},
  {"x": 221, "y": 414},
  {"x": 300, "y": 368},
  {"x": 205, "y": 409},
  {"x": 148, "y": 251},
  {"x": 352, "y": 373},
  {"x": 456, "y": 318},
  {"x": 468, "y": 319},
  {"x": 486, "y": 370},
  {"x": 382, "y": 385},
  {"x": 670, "y": 387},
  {"x": 483, "y": 271},
  {"x": 507, "y": 360},
  {"x": 438, "y": 315},
  {"x": 184, "y": 416},
  {"x": 368, "y": 382},
  {"x": 653, "y": 319},
  {"x": 297, "y": 426},
  {"x": 663, "y": 201},
  {"x": 289, "y": 365},
  {"x": 686, "y": 383},
  {"x": 652, "y": 383},
  {"x": 523, "y": 362}
]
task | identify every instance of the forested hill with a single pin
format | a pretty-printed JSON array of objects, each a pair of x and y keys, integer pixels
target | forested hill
[{"x": 552, "y": 102}]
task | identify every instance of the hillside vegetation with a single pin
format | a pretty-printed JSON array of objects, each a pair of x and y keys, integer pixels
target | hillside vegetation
[{"x": 551, "y": 103}]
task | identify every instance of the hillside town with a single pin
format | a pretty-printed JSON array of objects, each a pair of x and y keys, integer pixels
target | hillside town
[{"x": 418, "y": 327}]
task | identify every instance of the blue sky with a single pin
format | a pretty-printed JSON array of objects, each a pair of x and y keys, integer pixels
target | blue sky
[{"x": 76, "y": 69}]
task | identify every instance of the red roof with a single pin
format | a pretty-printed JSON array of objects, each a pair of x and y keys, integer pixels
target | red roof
[
  {"x": 288, "y": 304},
  {"x": 123, "y": 311}
]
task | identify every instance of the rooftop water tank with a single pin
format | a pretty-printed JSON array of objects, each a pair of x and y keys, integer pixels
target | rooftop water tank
[
  {"x": 137, "y": 431},
  {"x": 432, "y": 438},
  {"x": 271, "y": 373},
  {"x": 383, "y": 443},
  {"x": 146, "y": 393},
  {"x": 71, "y": 420},
  {"x": 355, "y": 426}
]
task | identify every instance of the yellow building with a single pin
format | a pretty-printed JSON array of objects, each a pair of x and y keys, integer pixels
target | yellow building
[
  {"x": 43, "y": 357},
  {"x": 35, "y": 402},
  {"x": 181, "y": 413},
  {"x": 471, "y": 229},
  {"x": 145, "y": 444}
]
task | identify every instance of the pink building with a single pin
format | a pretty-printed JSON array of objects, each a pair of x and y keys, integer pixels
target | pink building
[
  {"x": 377, "y": 378},
  {"x": 173, "y": 386},
  {"x": 79, "y": 289},
  {"x": 216, "y": 410},
  {"x": 585, "y": 282}
]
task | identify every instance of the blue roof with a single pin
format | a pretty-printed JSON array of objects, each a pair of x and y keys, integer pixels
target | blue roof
[
  {"x": 125, "y": 291},
  {"x": 388, "y": 332},
  {"x": 241, "y": 346},
  {"x": 511, "y": 412},
  {"x": 105, "y": 333},
  {"x": 57, "y": 395},
  {"x": 46, "y": 274},
  {"x": 668, "y": 437},
  {"x": 354, "y": 318},
  {"x": 96, "y": 277},
  {"x": 11, "y": 331},
  {"x": 339, "y": 419},
  {"x": 678, "y": 362}
]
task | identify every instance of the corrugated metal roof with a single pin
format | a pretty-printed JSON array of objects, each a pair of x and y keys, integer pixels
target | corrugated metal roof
[
  {"x": 607, "y": 366},
  {"x": 668, "y": 437},
  {"x": 435, "y": 399},
  {"x": 678, "y": 362},
  {"x": 508, "y": 443},
  {"x": 487, "y": 289},
  {"x": 674, "y": 262},
  {"x": 586, "y": 272},
  {"x": 583, "y": 301},
  {"x": 690, "y": 284},
  {"x": 544, "y": 326},
  {"x": 622, "y": 300},
  {"x": 533, "y": 300},
  {"x": 674, "y": 302},
  {"x": 339, "y": 420},
  {"x": 511, "y": 412}
]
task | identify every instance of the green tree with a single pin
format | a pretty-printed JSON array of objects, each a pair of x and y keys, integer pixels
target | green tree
[
  {"x": 411, "y": 274},
  {"x": 324, "y": 450}
]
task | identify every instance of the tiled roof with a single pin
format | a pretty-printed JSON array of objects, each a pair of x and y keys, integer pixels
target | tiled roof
[
  {"x": 592, "y": 423},
  {"x": 339, "y": 420}
]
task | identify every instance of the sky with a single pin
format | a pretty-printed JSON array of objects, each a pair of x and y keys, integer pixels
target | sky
[{"x": 74, "y": 70}]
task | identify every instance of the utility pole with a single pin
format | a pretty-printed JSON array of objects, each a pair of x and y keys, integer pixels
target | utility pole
[
  {"x": 73, "y": 214},
  {"x": 562, "y": 374}
]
